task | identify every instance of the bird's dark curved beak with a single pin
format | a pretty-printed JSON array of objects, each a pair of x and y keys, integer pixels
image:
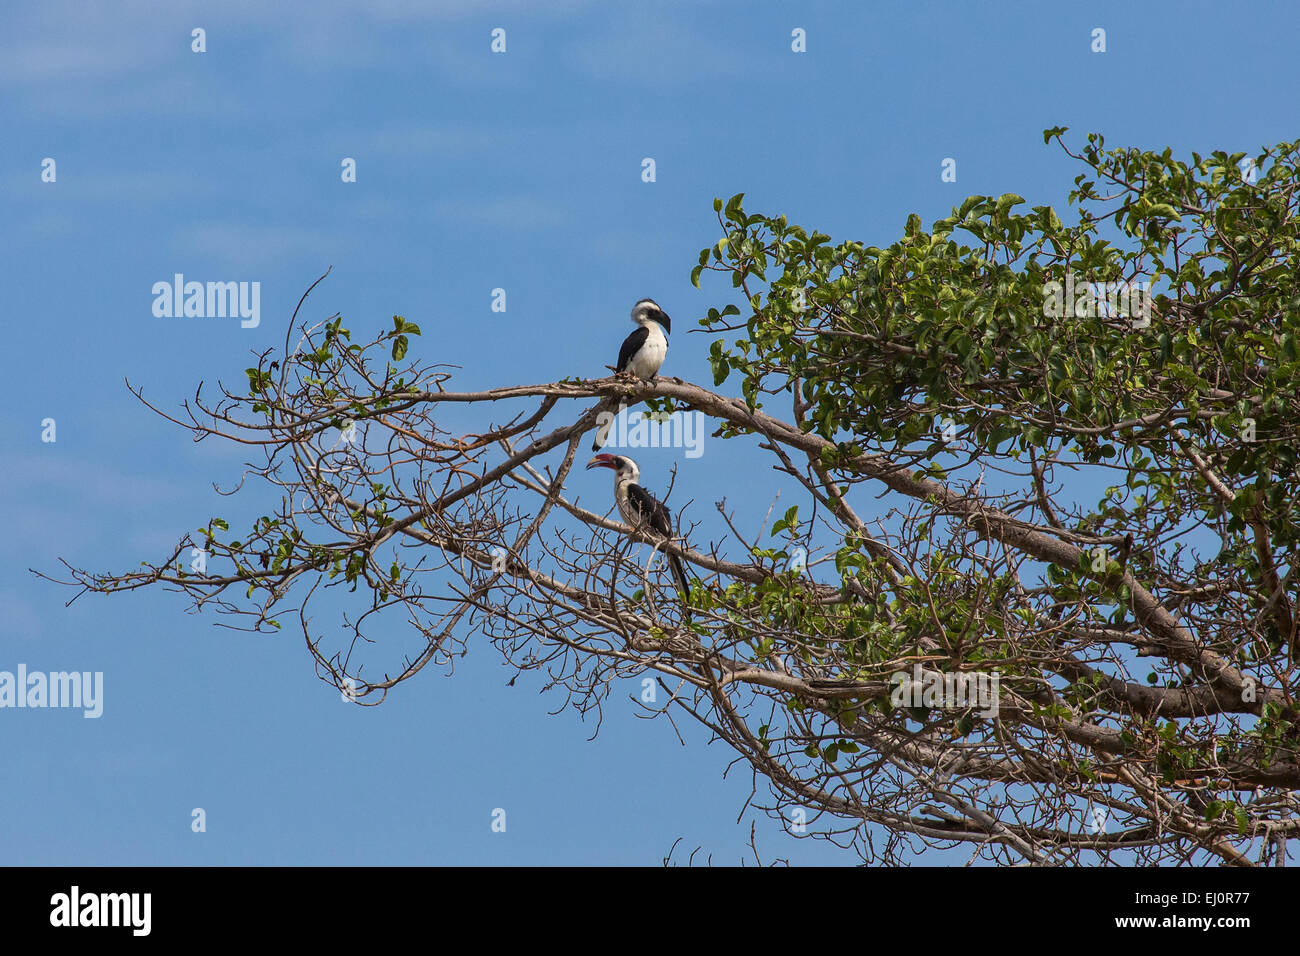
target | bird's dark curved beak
[{"x": 601, "y": 461}]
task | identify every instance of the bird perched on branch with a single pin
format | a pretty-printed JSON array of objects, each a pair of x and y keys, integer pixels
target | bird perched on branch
[
  {"x": 647, "y": 515},
  {"x": 643, "y": 352},
  {"x": 645, "y": 349}
]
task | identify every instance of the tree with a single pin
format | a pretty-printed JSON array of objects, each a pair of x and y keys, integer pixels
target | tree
[{"x": 1085, "y": 437}]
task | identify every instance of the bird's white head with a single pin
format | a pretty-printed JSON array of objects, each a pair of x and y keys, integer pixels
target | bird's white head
[
  {"x": 647, "y": 310},
  {"x": 624, "y": 468}
]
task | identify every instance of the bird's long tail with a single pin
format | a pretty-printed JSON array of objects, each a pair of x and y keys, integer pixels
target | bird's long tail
[{"x": 682, "y": 584}]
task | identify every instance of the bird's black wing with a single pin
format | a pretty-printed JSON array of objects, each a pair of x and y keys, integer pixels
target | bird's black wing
[
  {"x": 652, "y": 514},
  {"x": 630, "y": 345}
]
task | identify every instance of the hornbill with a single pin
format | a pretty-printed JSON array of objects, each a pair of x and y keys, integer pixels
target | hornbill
[
  {"x": 647, "y": 515},
  {"x": 643, "y": 351}
]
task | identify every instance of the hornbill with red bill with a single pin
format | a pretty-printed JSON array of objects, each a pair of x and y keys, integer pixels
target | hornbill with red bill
[{"x": 647, "y": 515}]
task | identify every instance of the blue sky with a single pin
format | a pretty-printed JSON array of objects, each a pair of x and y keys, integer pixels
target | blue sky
[{"x": 475, "y": 171}]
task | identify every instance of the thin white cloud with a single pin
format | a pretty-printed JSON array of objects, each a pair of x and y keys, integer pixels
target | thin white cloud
[
  {"x": 422, "y": 140},
  {"x": 400, "y": 11},
  {"x": 518, "y": 212},
  {"x": 88, "y": 183},
  {"x": 250, "y": 245},
  {"x": 60, "y": 41},
  {"x": 90, "y": 482},
  {"x": 645, "y": 48}
]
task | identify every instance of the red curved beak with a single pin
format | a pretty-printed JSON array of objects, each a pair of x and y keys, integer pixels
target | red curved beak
[{"x": 602, "y": 461}]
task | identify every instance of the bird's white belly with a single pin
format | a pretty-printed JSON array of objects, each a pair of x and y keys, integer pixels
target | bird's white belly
[
  {"x": 626, "y": 512},
  {"x": 645, "y": 363}
]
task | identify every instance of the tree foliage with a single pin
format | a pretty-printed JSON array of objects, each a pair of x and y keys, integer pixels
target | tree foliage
[{"x": 1083, "y": 440}]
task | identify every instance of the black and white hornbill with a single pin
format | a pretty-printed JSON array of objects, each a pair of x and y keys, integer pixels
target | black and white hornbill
[
  {"x": 643, "y": 351},
  {"x": 647, "y": 515}
]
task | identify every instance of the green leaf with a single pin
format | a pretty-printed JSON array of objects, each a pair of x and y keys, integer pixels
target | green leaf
[
  {"x": 718, "y": 361},
  {"x": 257, "y": 380},
  {"x": 791, "y": 519},
  {"x": 1006, "y": 201}
]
